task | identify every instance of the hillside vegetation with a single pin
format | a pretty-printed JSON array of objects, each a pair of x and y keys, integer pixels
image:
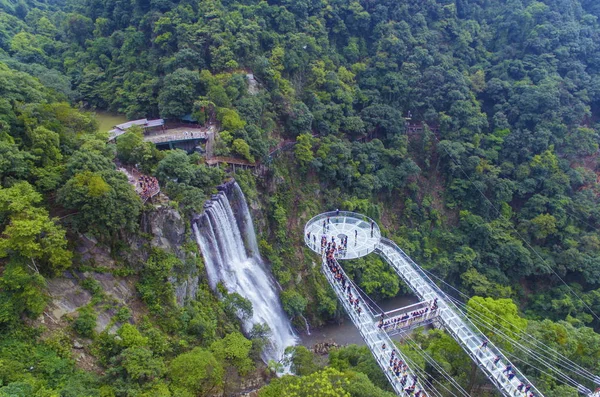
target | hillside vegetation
[{"x": 466, "y": 128}]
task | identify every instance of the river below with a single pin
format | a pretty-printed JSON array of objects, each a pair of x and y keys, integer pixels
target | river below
[
  {"x": 346, "y": 333},
  {"x": 107, "y": 120}
]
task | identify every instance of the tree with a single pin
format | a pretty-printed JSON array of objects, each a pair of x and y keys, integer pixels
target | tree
[
  {"x": 382, "y": 119},
  {"x": 293, "y": 303},
  {"x": 105, "y": 202},
  {"x": 178, "y": 92},
  {"x": 85, "y": 322},
  {"x": 234, "y": 349},
  {"x": 21, "y": 291},
  {"x": 358, "y": 359},
  {"x": 303, "y": 150},
  {"x": 14, "y": 163},
  {"x": 175, "y": 166},
  {"x": 236, "y": 306},
  {"x": 543, "y": 225},
  {"x": 242, "y": 148},
  {"x": 131, "y": 337},
  {"x": 87, "y": 160},
  {"x": 230, "y": 120},
  {"x": 582, "y": 142},
  {"x": 45, "y": 146},
  {"x": 197, "y": 372},
  {"x": 326, "y": 383},
  {"x": 132, "y": 149},
  {"x": 500, "y": 315},
  {"x": 135, "y": 366},
  {"x": 29, "y": 233},
  {"x": 299, "y": 119},
  {"x": 302, "y": 360}
]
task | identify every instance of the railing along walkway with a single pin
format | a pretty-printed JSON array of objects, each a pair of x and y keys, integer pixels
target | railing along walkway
[
  {"x": 372, "y": 335},
  {"x": 408, "y": 318},
  {"x": 489, "y": 359}
]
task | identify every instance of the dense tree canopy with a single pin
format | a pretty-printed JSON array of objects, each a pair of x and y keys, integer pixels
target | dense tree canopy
[{"x": 468, "y": 129}]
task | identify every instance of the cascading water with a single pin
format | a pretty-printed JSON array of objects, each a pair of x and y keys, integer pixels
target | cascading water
[{"x": 225, "y": 234}]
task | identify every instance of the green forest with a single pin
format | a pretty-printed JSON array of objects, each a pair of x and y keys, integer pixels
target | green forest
[{"x": 468, "y": 129}]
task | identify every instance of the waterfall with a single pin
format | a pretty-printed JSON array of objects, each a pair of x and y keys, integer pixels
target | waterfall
[
  {"x": 225, "y": 234},
  {"x": 307, "y": 326}
]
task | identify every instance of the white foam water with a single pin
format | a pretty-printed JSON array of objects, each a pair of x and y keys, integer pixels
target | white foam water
[{"x": 231, "y": 256}]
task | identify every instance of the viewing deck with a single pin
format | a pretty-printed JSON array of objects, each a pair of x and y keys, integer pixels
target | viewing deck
[
  {"x": 363, "y": 234},
  {"x": 177, "y": 135}
]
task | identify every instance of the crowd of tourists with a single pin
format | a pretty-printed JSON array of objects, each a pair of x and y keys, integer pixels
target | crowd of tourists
[
  {"x": 400, "y": 369},
  {"x": 338, "y": 274},
  {"x": 407, "y": 318},
  {"x": 333, "y": 249},
  {"x": 397, "y": 366},
  {"x": 147, "y": 187},
  {"x": 510, "y": 374}
]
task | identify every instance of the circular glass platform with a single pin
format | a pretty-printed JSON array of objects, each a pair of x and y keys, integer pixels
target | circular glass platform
[{"x": 361, "y": 233}]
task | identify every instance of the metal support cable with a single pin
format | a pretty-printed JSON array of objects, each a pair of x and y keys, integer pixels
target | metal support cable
[
  {"x": 536, "y": 356},
  {"x": 562, "y": 361},
  {"x": 435, "y": 365},
  {"x": 407, "y": 270},
  {"x": 426, "y": 377},
  {"x": 360, "y": 290}
]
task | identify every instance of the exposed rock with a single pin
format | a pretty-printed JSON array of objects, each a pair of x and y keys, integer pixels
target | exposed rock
[
  {"x": 253, "y": 88},
  {"x": 169, "y": 233},
  {"x": 247, "y": 386},
  {"x": 77, "y": 344},
  {"x": 323, "y": 348},
  {"x": 93, "y": 254},
  {"x": 120, "y": 289},
  {"x": 102, "y": 321},
  {"x": 168, "y": 229},
  {"x": 186, "y": 288},
  {"x": 67, "y": 296}
]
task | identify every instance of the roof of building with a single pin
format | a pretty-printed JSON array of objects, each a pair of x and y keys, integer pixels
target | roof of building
[
  {"x": 140, "y": 122},
  {"x": 145, "y": 123},
  {"x": 131, "y": 123},
  {"x": 155, "y": 123}
]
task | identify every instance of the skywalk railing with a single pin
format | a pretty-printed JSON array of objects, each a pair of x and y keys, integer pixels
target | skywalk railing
[
  {"x": 333, "y": 217},
  {"x": 373, "y": 337},
  {"x": 491, "y": 360},
  {"x": 408, "y": 318}
]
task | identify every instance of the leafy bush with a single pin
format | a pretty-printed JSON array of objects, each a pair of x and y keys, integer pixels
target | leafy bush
[{"x": 85, "y": 323}]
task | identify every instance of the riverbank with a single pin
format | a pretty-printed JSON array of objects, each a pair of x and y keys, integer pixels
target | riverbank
[{"x": 346, "y": 333}]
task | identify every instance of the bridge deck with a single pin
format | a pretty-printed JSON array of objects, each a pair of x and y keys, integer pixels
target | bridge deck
[
  {"x": 364, "y": 237},
  {"x": 178, "y": 135},
  {"x": 408, "y": 318},
  {"x": 378, "y": 341},
  {"x": 461, "y": 329}
]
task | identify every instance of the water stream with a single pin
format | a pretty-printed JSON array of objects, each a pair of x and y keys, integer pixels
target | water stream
[
  {"x": 225, "y": 234},
  {"x": 346, "y": 333}
]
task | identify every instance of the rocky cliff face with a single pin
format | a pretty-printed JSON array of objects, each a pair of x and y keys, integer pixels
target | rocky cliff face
[
  {"x": 168, "y": 230},
  {"x": 71, "y": 291}
]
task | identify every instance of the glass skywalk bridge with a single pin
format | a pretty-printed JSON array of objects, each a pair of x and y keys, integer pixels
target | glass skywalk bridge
[{"x": 356, "y": 235}]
